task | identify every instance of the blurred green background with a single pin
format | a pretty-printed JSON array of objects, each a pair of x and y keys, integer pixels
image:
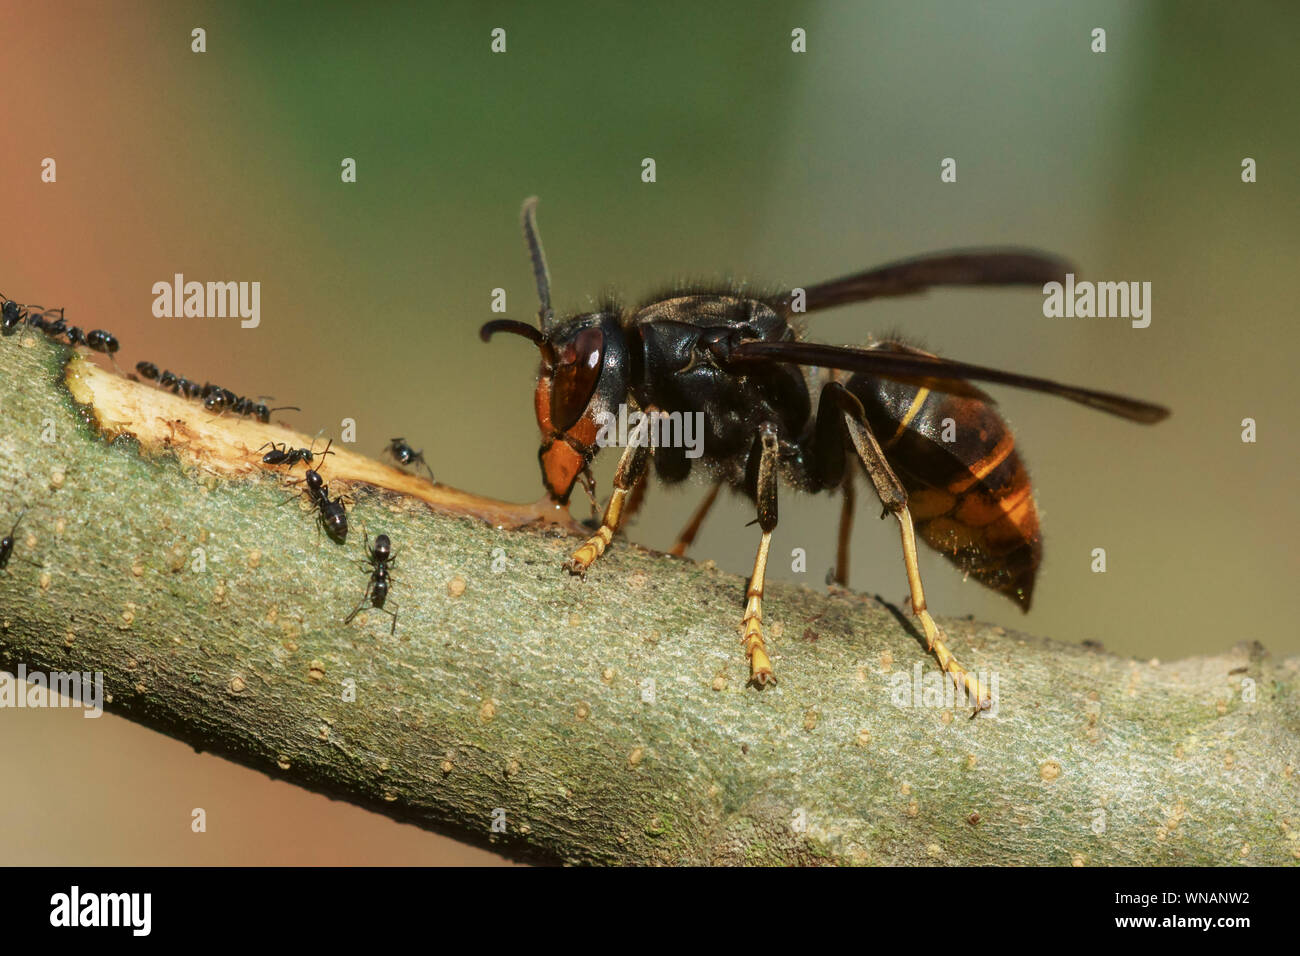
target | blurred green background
[{"x": 780, "y": 168}]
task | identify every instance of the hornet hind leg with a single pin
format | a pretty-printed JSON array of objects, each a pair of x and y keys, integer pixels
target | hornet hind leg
[
  {"x": 894, "y": 497},
  {"x": 760, "y": 665}
]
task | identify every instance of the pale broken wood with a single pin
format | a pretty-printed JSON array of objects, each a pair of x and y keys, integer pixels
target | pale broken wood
[
  {"x": 232, "y": 446},
  {"x": 604, "y": 721}
]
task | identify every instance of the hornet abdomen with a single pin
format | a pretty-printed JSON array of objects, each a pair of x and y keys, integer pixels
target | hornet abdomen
[{"x": 970, "y": 495}]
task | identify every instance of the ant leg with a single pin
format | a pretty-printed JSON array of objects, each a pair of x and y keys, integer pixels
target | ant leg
[
  {"x": 687, "y": 535},
  {"x": 630, "y": 469},
  {"x": 322, "y": 455},
  {"x": 298, "y": 496},
  {"x": 894, "y": 497},
  {"x": 760, "y": 666},
  {"x": 393, "y": 613},
  {"x": 364, "y": 598}
]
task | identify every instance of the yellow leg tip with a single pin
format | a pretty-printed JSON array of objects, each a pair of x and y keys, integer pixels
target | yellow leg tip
[
  {"x": 980, "y": 696},
  {"x": 584, "y": 557},
  {"x": 760, "y": 665},
  {"x": 760, "y": 668}
]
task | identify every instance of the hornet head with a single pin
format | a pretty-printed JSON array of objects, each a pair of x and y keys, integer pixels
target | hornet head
[{"x": 583, "y": 375}]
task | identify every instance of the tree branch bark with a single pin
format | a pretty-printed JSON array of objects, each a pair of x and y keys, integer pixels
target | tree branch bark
[{"x": 514, "y": 694}]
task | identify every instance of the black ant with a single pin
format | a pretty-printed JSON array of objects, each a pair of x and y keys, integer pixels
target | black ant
[
  {"x": 380, "y": 560},
  {"x": 96, "y": 339},
  {"x": 11, "y": 315},
  {"x": 178, "y": 385},
  {"x": 263, "y": 414},
  {"x": 218, "y": 399},
  {"x": 258, "y": 410},
  {"x": 171, "y": 381},
  {"x": 215, "y": 398},
  {"x": 55, "y": 327},
  {"x": 35, "y": 315},
  {"x": 282, "y": 454},
  {"x": 333, "y": 515},
  {"x": 102, "y": 341},
  {"x": 7, "y": 542},
  {"x": 406, "y": 455}
]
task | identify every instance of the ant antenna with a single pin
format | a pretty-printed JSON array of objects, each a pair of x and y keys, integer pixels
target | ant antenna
[
  {"x": 327, "y": 451},
  {"x": 20, "y": 518},
  {"x": 545, "y": 316}
]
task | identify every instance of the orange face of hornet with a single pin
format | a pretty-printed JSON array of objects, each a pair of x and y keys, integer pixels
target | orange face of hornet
[{"x": 573, "y": 388}]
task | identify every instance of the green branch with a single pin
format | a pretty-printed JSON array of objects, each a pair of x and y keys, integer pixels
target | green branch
[{"x": 605, "y": 721}]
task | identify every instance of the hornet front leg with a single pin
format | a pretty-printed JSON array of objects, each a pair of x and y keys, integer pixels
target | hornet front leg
[{"x": 631, "y": 468}]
